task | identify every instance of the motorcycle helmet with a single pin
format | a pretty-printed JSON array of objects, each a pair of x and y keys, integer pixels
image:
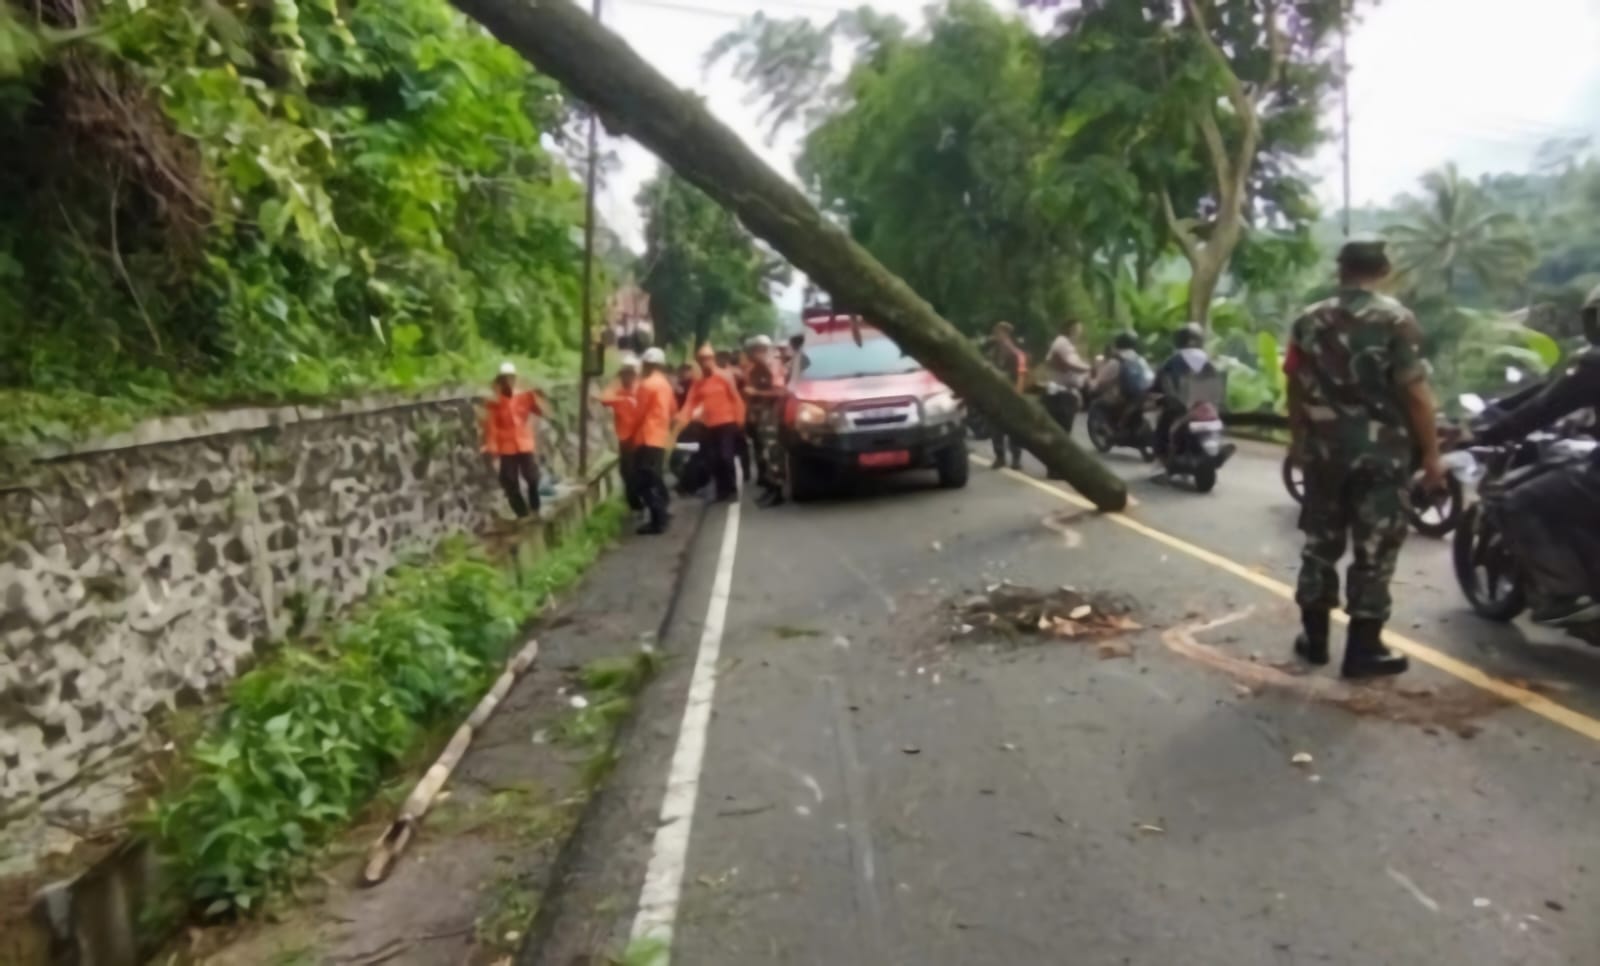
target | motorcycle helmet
[{"x": 1189, "y": 336}]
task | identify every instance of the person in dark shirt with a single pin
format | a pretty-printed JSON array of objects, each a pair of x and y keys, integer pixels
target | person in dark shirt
[{"x": 1558, "y": 513}]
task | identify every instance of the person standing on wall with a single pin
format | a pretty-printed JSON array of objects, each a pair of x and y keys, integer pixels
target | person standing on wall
[
  {"x": 508, "y": 436},
  {"x": 622, "y": 398},
  {"x": 764, "y": 390},
  {"x": 714, "y": 399},
  {"x": 656, "y": 406},
  {"x": 1005, "y": 356},
  {"x": 1068, "y": 375}
]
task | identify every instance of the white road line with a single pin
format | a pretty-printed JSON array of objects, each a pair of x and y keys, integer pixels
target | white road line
[{"x": 663, "y": 880}]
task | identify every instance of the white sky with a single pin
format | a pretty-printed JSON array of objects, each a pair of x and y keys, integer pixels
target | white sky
[{"x": 1480, "y": 82}]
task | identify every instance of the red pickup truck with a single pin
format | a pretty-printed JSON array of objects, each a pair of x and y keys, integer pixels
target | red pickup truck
[{"x": 857, "y": 405}]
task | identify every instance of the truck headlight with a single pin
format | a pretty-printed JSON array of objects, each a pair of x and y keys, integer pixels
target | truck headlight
[
  {"x": 941, "y": 408},
  {"x": 810, "y": 415}
]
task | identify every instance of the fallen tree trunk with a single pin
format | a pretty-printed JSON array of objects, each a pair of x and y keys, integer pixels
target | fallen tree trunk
[{"x": 633, "y": 98}]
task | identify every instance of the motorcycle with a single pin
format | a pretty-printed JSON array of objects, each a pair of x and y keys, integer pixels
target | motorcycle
[
  {"x": 1107, "y": 434},
  {"x": 1196, "y": 448},
  {"x": 1487, "y": 568},
  {"x": 1431, "y": 514}
]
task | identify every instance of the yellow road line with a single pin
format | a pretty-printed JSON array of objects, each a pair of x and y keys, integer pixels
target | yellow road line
[{"x": 1470, "y": 673}]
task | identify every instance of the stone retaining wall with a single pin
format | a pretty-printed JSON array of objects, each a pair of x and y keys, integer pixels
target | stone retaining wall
[{"x": 142, "y": 571}]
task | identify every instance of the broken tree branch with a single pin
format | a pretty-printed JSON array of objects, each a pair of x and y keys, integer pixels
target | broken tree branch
[
  {"x": 384, "y": 852},
  {"x": 596, "y": 65}
]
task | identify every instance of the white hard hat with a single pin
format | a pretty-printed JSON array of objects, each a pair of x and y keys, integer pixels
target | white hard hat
[
  {"x": 653, "y": 356},
  {"x": 507, "y": 369},
  {"x": 628, "y": 361},
  {"x": 758, "y": 342}
]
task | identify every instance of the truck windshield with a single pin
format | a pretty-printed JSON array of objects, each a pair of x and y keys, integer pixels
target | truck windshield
[{"x": 842, "y": 360}]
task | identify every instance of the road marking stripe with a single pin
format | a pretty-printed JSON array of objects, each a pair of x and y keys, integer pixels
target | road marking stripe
[
  {"x": 669, "y": 853},
  {"x": 1532, "y": 701}
]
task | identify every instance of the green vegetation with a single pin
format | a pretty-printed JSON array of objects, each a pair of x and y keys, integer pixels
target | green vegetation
[
  {"x": 707, "y": 277},
  {"x": 208, "y": 203},
  {"x": 608, "y": 686},
  {"x": 306, "y": 738},
  {"x": 1139, "y": 164}
]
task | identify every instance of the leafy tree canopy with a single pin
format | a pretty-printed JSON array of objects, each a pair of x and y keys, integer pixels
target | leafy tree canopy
[
  {"x": 705, "y": 274},
  {"x": 225, "y": 202}
]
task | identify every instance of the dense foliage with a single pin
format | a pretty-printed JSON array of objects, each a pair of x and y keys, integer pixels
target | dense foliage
[
  {"x": 307, "y": 737},
  {"x": 282, "y": 199},
  {"x": 1005, "y": 173},
  {"x": 706, "y": 276}
]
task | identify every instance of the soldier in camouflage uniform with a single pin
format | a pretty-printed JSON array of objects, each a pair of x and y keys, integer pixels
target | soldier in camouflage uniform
[
  {"x": 1360, "y": 412},
  {"x": 764, "y": 392}
]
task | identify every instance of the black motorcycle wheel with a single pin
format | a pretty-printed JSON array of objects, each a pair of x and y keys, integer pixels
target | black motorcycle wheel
[
  {"x": 1099, "y": 430},
  {"x": 1484, "y": 568},
  {"x": 1436, "y": 519},
  {"x": 1294, "y": 479},
  {"x": 1205, "y": 479}
]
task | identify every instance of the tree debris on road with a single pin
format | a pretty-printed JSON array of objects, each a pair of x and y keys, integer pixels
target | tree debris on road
[{"x": 1062, "y": 613}]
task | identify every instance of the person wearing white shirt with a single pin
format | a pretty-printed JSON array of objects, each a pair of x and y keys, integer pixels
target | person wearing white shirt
[{"x": 1068, "y": 375}]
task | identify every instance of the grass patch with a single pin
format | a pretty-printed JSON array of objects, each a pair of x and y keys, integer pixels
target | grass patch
[
  {"x": 307, "y": 738},
  {"x": 608, "y": 686},
  {"x": 788, "y": 632}
]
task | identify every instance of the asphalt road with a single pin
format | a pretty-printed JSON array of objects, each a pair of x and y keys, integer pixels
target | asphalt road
[{"x": 879, "y": 786}]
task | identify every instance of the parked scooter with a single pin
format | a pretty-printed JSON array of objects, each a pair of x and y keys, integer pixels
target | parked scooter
[
  {"x": 1196, "y": 449},
  {"x": 1488, "y": 569}
]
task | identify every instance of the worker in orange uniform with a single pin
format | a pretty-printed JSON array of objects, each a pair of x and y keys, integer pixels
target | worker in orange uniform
[
  {"x": 656, "y": 406},
  {"x": 714, "y": 399},
  {"x": 508, "y": 435},
  {"x": 622, "y": 398}
]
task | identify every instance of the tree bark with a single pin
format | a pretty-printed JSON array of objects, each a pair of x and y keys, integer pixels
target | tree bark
[{"x": 632, "y": 97}]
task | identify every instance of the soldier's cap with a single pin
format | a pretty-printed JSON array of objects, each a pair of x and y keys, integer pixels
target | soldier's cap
[{"x": 1364, "y": 254}]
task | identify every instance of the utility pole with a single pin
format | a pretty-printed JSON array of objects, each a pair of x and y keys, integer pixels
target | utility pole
[
  {"x": 1344, "y": 105},
  {"x": 589, "y": 354}
]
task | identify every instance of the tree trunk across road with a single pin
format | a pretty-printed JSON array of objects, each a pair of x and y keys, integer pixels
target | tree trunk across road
[{"x": 633, "y": 98}]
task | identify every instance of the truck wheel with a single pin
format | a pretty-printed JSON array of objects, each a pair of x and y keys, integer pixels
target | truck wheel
[
  {"x": 953, "y": 466},
  {"x": 806, "y": 481}
]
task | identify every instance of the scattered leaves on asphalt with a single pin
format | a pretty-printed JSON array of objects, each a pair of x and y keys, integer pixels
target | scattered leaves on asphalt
[{"x": 1064, "y": 613}]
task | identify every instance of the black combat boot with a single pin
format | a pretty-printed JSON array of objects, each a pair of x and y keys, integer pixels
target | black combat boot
[
  {"x": 1364, "y": 653},
  {"x": 1312, "y": 644}
]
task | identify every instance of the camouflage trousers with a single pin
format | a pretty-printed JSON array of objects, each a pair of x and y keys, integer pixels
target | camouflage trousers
[
  {"x": 1364, "y": 509},
  {"x": 768, "y": 444}
]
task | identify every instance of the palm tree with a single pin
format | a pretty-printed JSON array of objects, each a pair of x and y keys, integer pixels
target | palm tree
[{"x": 1454, "y": 231}]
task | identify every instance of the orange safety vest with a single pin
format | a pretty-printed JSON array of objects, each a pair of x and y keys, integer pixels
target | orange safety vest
[
  {"x": 624, "y": 406},
  {"x": 657, "y": 405},
  {"x": 717, "y": 398},
  {"x": 507, "y": 429}
]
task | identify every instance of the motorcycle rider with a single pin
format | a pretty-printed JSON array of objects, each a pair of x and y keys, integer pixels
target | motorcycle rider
[
  {"x": 1188, "y": 361},
  {"x": 1556, "y": 514},
  {"x": 1122, "y": 382}
]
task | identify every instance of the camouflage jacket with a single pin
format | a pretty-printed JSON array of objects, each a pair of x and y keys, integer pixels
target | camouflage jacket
[{"x": 1351, "y": 357}]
